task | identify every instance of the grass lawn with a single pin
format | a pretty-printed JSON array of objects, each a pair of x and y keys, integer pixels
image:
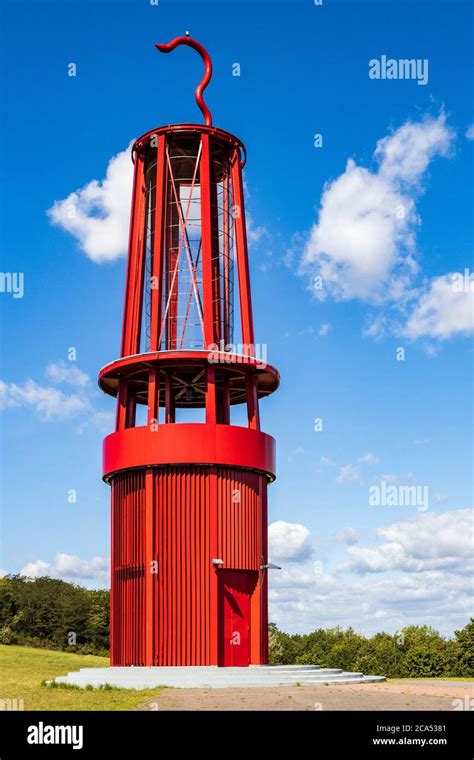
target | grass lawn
[
  {"x": 433, "y": 678},
  {"x": 22, "y": 669}
]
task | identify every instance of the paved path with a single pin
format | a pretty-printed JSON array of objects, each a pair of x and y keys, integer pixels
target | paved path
[{"x": 391, "y": 695}]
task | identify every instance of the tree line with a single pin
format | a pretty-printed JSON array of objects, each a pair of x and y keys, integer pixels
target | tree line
[
  {"x": 417, "y": 651},
  {"x": 53, "y": 614}
]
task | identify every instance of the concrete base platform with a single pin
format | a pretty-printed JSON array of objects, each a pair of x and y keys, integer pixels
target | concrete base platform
[{"x": 213, "y": 677}]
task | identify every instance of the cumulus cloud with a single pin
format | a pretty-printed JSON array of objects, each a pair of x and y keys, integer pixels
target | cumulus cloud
[
  {"x": 288, "y": 542},
  {"x": 417, "y": 572},
  {"x": 324, "y": 329},
  {"x": 436, "y": 541},
  {"x": 434, "y": 535},
  {"x": 98, "y": 214},
  {"x": 347, "y": 536},
  {"x": 348, "y": 473},
  {"x": 470, "y": 132},
  {"x": 363, "y": 244},
  {"x": 49, "y": 403},
  {"x": 442, "y": 310},
  {"x": 255, "y": 232},
  {"x": 70, "y": 567},
  {"x": 60, "y": 372},
  {"x": 301, "y": 602},
  {"x": 369, "y": 458}
]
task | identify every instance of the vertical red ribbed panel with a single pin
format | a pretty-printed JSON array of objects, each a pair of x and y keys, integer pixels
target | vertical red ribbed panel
[
  {"x": 239, "y": 518},
  {"x": 128, "y": 570},
  {"x": 182, "y": 585},
  {"x": 184, "y": 609}
]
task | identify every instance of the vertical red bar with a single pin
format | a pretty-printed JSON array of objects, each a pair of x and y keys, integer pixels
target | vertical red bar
[
  {"x": 207, "y": 275},
  {"x": 173, "y": 237},
  {"x": 158, "y": 245},
  {"x": 113, "y": 651},
  {"x": 252, "y": 403},
  {"x": 242, "y": 257},
  {"x": 211, "y": 398},
  {"x": 226, "y": 257},
  {"x": 122, "y": 405},
  {"x": 131, "y": 408},
  {"x": 264, "y": 591},
  {"x": 214, "y": 572},
  {"x": 149, "y": 569},
  {"x": 218, "y": 310},
  {"x": 136, "y": 260},
  {"x": 169, "y": 400},
  {"x": 206, "y": 244},
  {"x": 153, "y": 396}
]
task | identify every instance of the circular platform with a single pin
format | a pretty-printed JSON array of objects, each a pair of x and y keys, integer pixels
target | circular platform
[{"x": 188, "y": 375}]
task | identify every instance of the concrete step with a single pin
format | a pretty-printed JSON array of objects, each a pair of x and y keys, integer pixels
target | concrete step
[
  {"x": 212, "y": 677},
  {"x": 281, "y": 668}
]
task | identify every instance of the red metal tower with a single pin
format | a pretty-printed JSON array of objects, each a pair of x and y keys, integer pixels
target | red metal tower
[{"x": 189, "y": 499}]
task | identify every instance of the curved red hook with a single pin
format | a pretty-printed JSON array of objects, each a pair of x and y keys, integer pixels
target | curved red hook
[{"x": 207, "y": 70}]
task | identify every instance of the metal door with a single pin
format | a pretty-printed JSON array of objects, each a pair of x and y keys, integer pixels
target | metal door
[{"x": 235, "y": 589}]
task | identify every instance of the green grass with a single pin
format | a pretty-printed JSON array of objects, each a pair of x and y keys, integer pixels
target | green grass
[
  {"x": 432, "y": 678},
  {"x": 23, "y": 671}
]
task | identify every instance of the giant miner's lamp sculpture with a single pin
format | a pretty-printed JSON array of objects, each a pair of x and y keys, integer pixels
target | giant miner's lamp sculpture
[{"x": 189, "y": 499}]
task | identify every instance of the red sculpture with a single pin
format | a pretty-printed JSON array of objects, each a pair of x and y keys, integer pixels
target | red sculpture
[{"x": 189, "y": 498}]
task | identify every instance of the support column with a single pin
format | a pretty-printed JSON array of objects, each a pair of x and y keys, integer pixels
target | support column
[
  {"x": 149, "y": 575},
  {"x": 206, "y": 245},
  {"x": 136, "y": 260},
  {"x": 157, "y": 269},
  {"x": 242, "y": 257}
]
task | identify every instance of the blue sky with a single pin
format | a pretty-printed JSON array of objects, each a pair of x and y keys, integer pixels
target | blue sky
[{"x": 387, "y": 281}]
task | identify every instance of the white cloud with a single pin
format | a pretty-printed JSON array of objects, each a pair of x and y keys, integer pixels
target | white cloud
[
  {"x": 255, "y": 233},
  {"x": 60, "y": 372},
  {"x": 326, "y": 462},
  {"x": 70, "y": 567},
  {"x": 324, "y": 329},
  {"x": 363, "y": 245},
  {"x": 418, "y": 572},
  {"x": 376, "y": 327},
  {"x": 98, "y": 214},
  {"x": 288, "y": 542},
  {"x": 394, "y": 479},
  {"x": 348, "y": 473},
  {"x": 347, "y": 536},
  {"x": 435, "y": 541},
  {"x": 369, "y": 458},
  {"x": 470, "y": 132},
  {"x": 49, "y": 403},
  {"x": 443, "y": 310},
  {"x": 302, "y": 602},
  {"x": 406, "y": 154},
  {"x": 295, "y": 453},
  {"x": 434, "y": 535}
]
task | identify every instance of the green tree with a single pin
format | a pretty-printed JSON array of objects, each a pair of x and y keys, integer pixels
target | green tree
[{"x": 464, "y": 646}]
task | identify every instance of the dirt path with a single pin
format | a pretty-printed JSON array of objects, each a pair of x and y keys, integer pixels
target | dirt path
[{"x": 391, "y": 695}]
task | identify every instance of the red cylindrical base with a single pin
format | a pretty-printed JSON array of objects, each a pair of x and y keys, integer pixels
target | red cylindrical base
[{"x": 188, "y": 546}]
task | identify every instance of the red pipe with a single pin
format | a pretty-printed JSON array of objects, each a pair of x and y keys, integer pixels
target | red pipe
[{"x": 184, "y": 40}]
